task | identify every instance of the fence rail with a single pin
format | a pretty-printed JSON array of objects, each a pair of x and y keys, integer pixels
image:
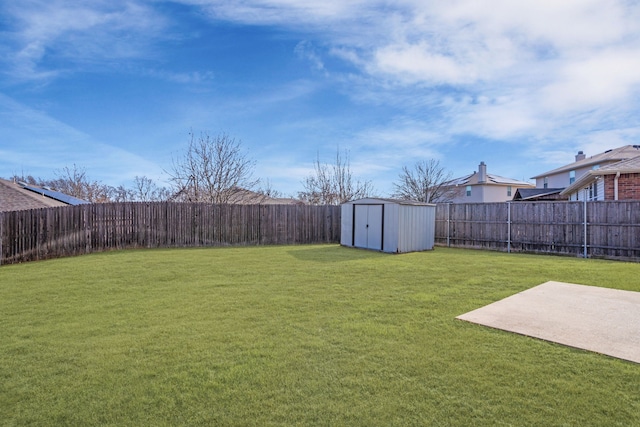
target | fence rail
[
  {"x": 591, "y": 229},
  {"x": 74, "y": 230},
  {"x": 588, "y": 229}
]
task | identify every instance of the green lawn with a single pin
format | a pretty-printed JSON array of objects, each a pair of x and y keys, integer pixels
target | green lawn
[{"x": 296, "y": 335}]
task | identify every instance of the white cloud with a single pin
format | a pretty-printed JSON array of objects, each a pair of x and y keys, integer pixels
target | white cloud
[
  {"x": 86, "y": 32},
  {"x": 281, "y": 12},
  {"x": 603, "y": 79},
  {"x": 305, "y": 50},
  {"x": 531, "y": 71},
  {"x": 419, "y": 64},
  {"x": 542, "y": 67}
]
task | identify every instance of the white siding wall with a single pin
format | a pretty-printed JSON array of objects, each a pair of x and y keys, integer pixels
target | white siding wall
[
  {"x": 488, "y": 193},
  {"x": 580, "y": 195},
  {"x": 562, "y": 180}
]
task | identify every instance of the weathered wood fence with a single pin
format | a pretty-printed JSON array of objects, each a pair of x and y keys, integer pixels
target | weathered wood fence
[
  {"x": 608, "y": 230},
  {"x": 591, "y": 229},
  {"x": 74, "y": 230}
]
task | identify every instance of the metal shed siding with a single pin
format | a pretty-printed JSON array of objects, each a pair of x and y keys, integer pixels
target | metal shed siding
[
  {"x": 416, "y": 228},
  {"x": 346, "y": 224},
  {"x": 390, "y": 229},
  {"x": 406, "y": 227}
]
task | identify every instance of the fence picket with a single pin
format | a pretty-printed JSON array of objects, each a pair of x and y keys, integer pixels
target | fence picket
[
  {"x": 56, "y": 232},
  {"x": 613, "y": 228}
]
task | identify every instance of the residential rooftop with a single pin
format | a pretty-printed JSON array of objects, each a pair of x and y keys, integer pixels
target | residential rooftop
[
  {"x": 613, "y": 155},
  {"x": 16, "y": 196}
]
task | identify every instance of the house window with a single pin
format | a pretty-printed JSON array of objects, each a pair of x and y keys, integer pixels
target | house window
[
  {"x": 468, "y": 190},
  {"x": 593, "y": 191},
  {"x": 509, "y": 191},
  {"x": 546, "y": 182},
  {"x": 572, "y": 177}
]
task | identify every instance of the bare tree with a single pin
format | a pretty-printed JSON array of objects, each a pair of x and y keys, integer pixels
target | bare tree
[
  {"x": 29, "y": 179},
  {"x": 333, "y": 184},
  {"x": 268, "y": 192},
  {"x": 212, "y": 170},
  {"x": 427, "y": 182},
  {"x": 146, "y": 190},
  {"x": 74, "y": 182},
  {"x": 120, "y": 194}
]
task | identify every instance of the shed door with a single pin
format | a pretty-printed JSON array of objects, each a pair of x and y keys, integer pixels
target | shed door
[{"x": 367, "y": 226}]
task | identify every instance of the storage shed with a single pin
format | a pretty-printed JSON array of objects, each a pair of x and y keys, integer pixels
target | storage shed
[{"x": 388, "y": 225}]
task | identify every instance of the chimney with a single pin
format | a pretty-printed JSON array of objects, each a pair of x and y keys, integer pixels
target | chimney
[
  {"x": 580, "y": 156},
  {"x": 482, "y": 173}
]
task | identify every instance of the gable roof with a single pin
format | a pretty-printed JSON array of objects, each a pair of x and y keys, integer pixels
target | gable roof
[
  {"x": 609, "y": 156},
  {"x": 631, "y": 165},
  {"x": 19, "y": 196},
  {"x": 471, "y": 179},
  {"x": 524, "y": 194}
]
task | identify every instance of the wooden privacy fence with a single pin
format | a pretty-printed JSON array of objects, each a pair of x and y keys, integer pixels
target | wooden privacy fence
[
  {"x": 74, "y": 230},
  {"x": 587, "y": 229}
]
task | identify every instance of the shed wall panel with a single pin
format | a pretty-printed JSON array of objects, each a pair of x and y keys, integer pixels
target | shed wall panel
[
  {"x": 416, "y": 229},
  {"x": 390, "y": 227},
  {"x": 346, "y": 225}
]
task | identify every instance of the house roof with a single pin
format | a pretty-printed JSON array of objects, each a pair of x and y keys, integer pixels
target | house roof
[
  {"x": 471, "y": 179},
  {"x": 19, "y": 196},
  {"x": 609, "y": 156},
  {"x": 631, "y": 165},
  {"x": 523, "y": 194},
  {"x": 244, "y": 196}
]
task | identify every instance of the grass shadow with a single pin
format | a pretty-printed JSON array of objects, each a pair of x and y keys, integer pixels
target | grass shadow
[{"x": 331, "y": 253}]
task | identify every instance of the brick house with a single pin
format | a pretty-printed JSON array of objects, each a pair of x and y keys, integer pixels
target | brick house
[{"x": 616, "y": 181}]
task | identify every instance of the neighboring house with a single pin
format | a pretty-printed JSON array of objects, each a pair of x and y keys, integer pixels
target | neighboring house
[
  {"x": 16, "y": 196},
  {"x": 483, "y": 187},
  {"x": 615, "y": 181},
  {"x": 565, "y": 176}
]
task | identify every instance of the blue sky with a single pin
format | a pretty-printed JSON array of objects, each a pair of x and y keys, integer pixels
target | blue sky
[{"x": 115, "y": 86}]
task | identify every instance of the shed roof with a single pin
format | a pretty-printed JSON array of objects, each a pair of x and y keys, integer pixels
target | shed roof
[{"x": 387, "y": 200}]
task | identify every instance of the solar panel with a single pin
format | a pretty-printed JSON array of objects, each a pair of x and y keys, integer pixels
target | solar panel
[{"x": 65, "y": 198}]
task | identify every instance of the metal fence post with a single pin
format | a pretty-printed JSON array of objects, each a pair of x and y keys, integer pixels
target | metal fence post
[
  {"x": 585, "y": 224},
  {"x": 448, "y": 226},
  {"x": 508, "y": 227},
  {"x": 1, "y": 235}
]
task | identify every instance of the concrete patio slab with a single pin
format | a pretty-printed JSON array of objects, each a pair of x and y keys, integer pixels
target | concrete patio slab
[{"x": 602, "y": 320}]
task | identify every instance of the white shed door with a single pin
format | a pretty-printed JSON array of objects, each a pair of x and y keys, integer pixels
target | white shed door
[{"x": 367, "y": 227}]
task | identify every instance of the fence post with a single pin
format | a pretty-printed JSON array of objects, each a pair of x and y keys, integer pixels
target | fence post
[
  {"x": 448, "y": 227},
  {"x": 1, "y": 235},
  {"x": 585, "y": 224},
  {"x": 508, "y": 227}
]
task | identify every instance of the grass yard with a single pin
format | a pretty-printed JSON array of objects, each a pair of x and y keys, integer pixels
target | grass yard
[{"x": 296, "y": 335}]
